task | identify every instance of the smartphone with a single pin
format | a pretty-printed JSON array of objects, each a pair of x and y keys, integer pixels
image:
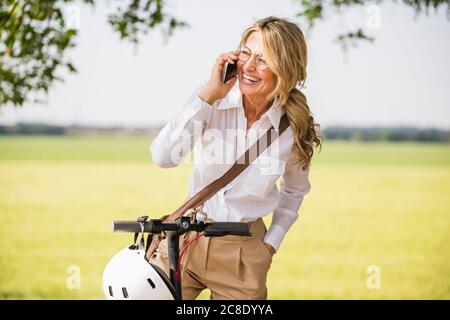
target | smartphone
[{"x": 229, "y": 71}]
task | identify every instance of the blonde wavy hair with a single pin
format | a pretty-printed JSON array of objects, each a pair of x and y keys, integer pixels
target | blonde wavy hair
[{"x": 286, "y": 54}]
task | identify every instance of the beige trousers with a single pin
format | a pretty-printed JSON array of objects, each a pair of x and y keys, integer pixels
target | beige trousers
[{"x": 231, "y": 267}]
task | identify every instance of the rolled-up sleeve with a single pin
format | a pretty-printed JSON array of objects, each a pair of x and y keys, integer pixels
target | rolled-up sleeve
[
  {"x": 293, "y": 188},
  {"x": 177, "y": 138}
]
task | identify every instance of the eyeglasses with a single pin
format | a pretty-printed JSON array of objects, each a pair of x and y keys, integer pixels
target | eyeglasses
[{"x": 245, "y": 54}]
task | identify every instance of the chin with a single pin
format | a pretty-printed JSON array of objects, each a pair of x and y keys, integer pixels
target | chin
[{"x": 245, "y": 89}]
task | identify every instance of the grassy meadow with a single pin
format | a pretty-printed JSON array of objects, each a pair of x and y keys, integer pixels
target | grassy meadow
[{"x": 371, "y": 204}]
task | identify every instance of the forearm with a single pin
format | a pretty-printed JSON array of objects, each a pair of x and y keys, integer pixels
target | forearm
[
  {"x": 177, "y": 138},
  {"x": 294, "y": 186}
]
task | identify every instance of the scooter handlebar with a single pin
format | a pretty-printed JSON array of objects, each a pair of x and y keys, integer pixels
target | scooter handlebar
[{"x": 213, "y": 229}]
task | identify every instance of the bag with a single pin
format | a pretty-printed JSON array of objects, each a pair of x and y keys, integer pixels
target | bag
[{"x": 153, "y": 242}]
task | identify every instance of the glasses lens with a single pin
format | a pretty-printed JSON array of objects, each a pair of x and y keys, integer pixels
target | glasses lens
[
  {"x": 261, "y": 65},
  {"x": 244, "y": 55}
]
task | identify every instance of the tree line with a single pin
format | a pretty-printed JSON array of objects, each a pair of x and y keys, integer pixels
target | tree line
[{"x": 329, "y": 133}]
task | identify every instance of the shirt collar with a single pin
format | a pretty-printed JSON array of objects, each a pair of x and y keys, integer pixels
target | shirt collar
[{"x": 234, "y": 100}]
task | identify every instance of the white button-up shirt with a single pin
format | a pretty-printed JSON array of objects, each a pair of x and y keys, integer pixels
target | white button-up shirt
[{"x": 217, "y": 134}]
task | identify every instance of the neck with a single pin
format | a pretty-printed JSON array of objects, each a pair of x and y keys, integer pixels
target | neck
[{"x": 254, "y": 107}]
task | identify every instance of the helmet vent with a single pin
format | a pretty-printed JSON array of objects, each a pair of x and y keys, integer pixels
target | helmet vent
[
  {"x": 125, "y": 292},
  {"x": 110, "y": 291},
  {"x": 151, "y": 283}
]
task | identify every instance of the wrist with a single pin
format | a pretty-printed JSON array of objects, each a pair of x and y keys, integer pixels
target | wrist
[
  {"x": 270, "y": 248},
  {"x": 207, "y": 96}
]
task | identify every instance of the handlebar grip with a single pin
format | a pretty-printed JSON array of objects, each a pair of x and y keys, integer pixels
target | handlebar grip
[
  {"x": 130, "y": 226},
  {"x": 219, "y": 229}
]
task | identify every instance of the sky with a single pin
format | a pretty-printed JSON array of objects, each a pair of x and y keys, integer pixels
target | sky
[{"x": 402, "y": 79}]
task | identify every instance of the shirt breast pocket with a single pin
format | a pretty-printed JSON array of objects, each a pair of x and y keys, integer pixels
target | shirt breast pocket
[{"x": 263, "y": 174}]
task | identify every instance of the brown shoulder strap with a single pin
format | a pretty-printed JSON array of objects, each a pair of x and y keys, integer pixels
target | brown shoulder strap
[{"x": 248, "y": 157}]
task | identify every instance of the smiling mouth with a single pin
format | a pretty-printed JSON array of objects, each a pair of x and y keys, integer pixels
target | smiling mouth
[{"x": 247, "y": 79}]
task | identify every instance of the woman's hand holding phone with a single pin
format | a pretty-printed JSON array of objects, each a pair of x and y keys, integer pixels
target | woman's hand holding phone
[{"x": 216, "y": 89}]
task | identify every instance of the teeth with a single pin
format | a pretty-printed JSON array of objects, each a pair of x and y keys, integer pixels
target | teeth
[{"x": 249, "y": 78}]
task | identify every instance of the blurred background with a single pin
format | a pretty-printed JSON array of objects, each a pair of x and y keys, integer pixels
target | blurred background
[{"x": 74, "y": 154}]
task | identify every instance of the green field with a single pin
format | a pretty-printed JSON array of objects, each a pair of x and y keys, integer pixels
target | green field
[{"x": 382, "y": 204}]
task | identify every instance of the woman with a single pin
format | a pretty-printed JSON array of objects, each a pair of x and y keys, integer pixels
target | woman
[{"x": 271, "y": 62}]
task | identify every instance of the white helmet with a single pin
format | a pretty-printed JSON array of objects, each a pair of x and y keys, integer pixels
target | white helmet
[{"x": 129, "y": 275}]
